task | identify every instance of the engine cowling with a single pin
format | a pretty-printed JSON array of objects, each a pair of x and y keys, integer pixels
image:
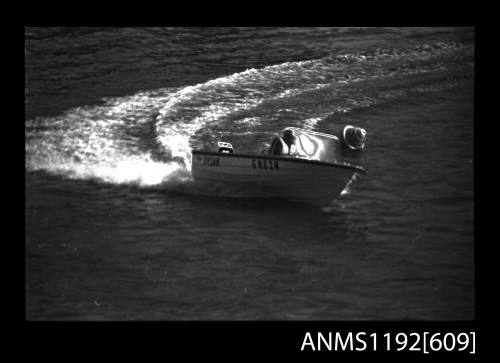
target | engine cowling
[{"x": 353, "y": 138}]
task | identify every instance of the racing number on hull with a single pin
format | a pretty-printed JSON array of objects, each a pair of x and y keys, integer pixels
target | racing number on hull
[
  {"x": 265, "y": 164},
  {"x": 256, "y": 163}
]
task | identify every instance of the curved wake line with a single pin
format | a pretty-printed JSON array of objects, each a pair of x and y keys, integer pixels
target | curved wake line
[
  {"x": 103, "y": 142},
  {"x": 134, "y": 171},
  {"x": 146, "y": 138}
]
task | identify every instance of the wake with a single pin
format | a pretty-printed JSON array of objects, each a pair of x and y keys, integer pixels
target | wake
[{"x": 146, "y": 139}]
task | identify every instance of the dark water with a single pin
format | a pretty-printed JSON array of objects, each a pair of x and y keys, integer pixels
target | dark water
[{"x": 116, "y": 229}]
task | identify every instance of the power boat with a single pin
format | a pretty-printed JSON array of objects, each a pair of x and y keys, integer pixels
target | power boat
[{"x": 301, "y": 166}]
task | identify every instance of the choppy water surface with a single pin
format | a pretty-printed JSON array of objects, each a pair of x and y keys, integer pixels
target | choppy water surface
[{"x": 116, "y": 228}]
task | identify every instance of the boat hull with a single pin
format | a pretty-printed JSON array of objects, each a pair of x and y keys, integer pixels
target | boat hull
[{"x": 300, "y": 180}]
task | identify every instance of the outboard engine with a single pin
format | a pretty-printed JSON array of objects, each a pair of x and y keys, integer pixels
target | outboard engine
[
  {"x": 353, "y": 139},
  {"x": 225, "y": 147}
]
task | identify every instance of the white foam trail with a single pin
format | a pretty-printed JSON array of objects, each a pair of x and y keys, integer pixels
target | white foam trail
[
  {"x": 107, "y": 142},
  {"x": 310, "y": 123},
  {"x": 137, "y": 171},
  {"x": 98, "y": 142}
]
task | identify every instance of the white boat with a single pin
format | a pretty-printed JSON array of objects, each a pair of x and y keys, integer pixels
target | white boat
[{"x": 302, "y": 166}]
